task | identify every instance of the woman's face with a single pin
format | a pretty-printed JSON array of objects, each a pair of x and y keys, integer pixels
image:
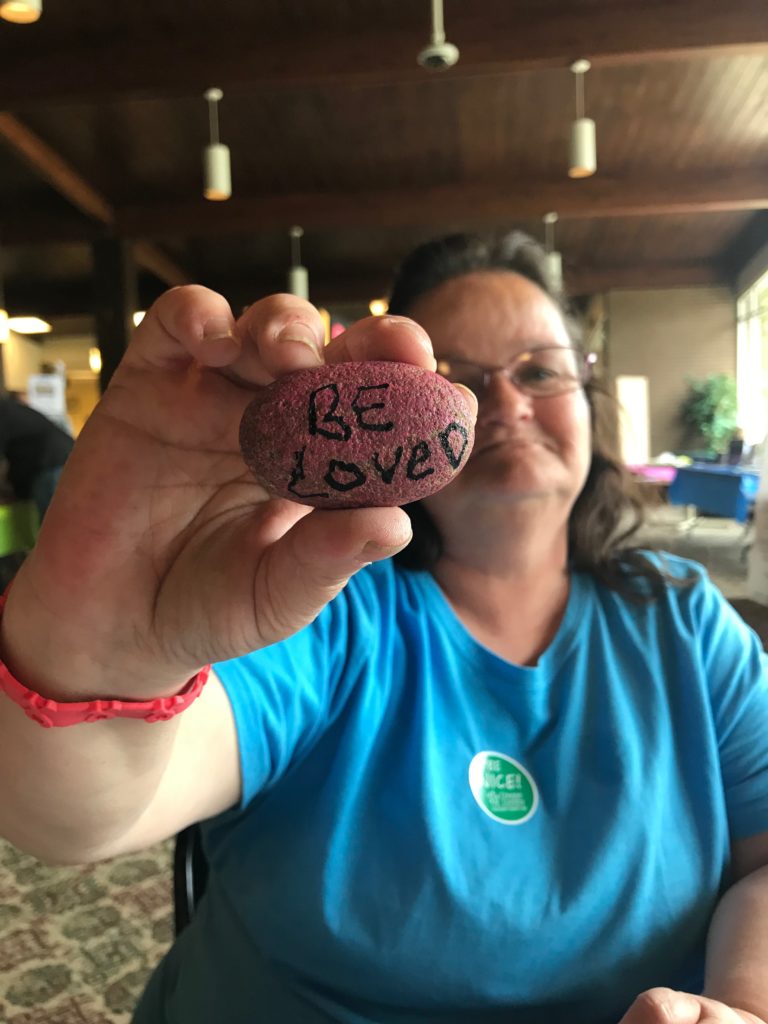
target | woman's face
[{"x": 525, "y": 447}]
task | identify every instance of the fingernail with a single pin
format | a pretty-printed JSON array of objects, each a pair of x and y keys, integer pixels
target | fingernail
[
  {"x": 218, "y": 327},
  {"x": 469, "y": 397},
  {"x": 300, "y": 334},
  {"x": 418, "y": 333}
]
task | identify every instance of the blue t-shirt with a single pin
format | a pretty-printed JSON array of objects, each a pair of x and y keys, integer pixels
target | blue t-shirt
[{"x": 429, "y": 833}]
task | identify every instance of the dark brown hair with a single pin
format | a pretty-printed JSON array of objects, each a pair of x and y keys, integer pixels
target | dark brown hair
[{"x": 608, "y": 511}]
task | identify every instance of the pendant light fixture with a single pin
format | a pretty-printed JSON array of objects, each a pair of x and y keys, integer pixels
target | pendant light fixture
[
  {"x": 583, "y": 158},
  {"x": 554, "y": 258},
  {"x": 298, "y": 277},
  {"x": 218, "y": 178},
  {"x": 438, "y": 55},
  {"x": 21, "y": 12}
]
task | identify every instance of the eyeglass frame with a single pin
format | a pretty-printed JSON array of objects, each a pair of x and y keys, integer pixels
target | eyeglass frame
[{"x": 585, "y": 361}]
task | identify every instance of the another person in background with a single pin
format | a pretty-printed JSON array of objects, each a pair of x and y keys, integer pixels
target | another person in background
[
  {"x": 517, "y": 774},
  {"x": 35, "y": 449}
]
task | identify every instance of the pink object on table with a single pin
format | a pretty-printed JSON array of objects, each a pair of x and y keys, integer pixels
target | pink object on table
[{"x": 655, "y": 474}]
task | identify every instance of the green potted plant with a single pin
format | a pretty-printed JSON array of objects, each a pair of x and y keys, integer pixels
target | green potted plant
[{"x": 709, "y": 409}]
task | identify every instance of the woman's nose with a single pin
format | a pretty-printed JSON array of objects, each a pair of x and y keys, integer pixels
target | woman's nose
[{"x": 502, "y": 391}]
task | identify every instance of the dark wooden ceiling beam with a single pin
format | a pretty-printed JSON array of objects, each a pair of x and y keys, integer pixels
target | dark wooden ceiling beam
[
  {"x": 452, "y": 205},
  {"x": 587, "y": 280},
  {"x": 335, "y": 287},
  {"x": 52, "y": 168},
  {"x": 53, "y": 299},
  {"x": 494, "y": 37},
  {"x": 30, "y": 227}
]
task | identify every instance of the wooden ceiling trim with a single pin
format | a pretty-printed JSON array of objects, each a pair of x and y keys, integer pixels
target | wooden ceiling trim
[
  {"x": 494, "y": 39},
  {"x": 449, "y": 205},
  {"x": 52, "y": 168}
]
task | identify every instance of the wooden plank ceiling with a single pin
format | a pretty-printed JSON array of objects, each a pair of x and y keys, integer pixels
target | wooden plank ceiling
[{"x": 332, "y": 125}]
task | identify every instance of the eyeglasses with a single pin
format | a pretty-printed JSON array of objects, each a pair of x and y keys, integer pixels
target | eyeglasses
[{"x": 538, "y": 372}]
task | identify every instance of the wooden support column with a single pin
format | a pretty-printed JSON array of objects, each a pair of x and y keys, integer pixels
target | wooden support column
[{"x": 114, "y": 301}]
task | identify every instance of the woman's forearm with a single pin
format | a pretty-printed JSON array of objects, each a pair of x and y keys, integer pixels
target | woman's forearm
[{"x": 737, "y": 946}]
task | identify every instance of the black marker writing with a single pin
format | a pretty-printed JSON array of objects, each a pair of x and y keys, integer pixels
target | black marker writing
[
  {"x": 419, "y": 453},
  {"x": 297, "y": 473},
  {"x": 358, "y": 476},
  {"x": 360, "y": 410},
  {"x": 444, "y": 436},
  {"x": 387, "y": 472},
  {"x": 344, "y": 431}
]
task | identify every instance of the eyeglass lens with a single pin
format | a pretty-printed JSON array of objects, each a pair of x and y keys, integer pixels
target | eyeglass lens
[{"x": 537, "y": 372}]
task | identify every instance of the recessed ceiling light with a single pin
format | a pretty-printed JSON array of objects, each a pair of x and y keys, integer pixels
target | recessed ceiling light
[{"x": 28, "y": 325}]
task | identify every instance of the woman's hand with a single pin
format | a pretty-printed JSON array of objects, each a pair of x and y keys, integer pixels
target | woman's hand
[
  {"x": 160, "y": 552},
  {"x": 665, "y": 1006}
]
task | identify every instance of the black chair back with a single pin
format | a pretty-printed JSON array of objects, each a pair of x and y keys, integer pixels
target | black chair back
[{"x": 190, "y": 875}]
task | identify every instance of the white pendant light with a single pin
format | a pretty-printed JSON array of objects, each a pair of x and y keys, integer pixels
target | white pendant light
[
  {"x": 298, "y": 276},
  {"x": 21, "y": 12},
  {"x": 554, "y": 258},
  {"x": 217, "y": 175},
  {"x": 438, "y": 55},
  {"x": 583, "y": 155}
]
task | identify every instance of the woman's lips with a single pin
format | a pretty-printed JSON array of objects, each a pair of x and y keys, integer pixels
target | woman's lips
[{"x": 496, "y": 437}]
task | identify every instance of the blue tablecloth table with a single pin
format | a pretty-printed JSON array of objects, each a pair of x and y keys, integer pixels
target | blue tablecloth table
[{"x": 727, "y": 491}]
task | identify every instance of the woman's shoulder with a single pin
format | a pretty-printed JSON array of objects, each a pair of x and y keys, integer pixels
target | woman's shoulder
[
  {"x": 654, "y": 579},
  {"x": 674, "y": 568}
]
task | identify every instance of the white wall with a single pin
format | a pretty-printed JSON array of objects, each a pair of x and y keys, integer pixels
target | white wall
[{"x": 666, "y": 335}]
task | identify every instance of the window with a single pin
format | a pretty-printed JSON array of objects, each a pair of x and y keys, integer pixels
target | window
[{"x": 752, "y": 361}]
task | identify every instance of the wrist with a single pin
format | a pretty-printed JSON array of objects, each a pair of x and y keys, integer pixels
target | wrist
[
  {"x": 66, "y": 667},
  {"x": 51, "y": 713}
]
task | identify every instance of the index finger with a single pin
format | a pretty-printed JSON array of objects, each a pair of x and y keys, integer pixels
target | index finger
[
  {"x": 395, "y": 338},
  {"x": 279, "y": 334},
  {"x": 185, "y": 323}
]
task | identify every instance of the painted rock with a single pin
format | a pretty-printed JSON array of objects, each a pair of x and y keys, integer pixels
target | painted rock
[{"x": 357, "y": 434}]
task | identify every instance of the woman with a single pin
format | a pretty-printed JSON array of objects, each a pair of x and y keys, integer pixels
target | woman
[{"x": 517, "y": 785}]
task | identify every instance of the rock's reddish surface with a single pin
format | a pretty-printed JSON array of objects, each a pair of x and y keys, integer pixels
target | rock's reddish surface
[{"x": 357, "y": 434}]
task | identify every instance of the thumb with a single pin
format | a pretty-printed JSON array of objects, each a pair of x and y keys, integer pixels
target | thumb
[{"x": 312, "y": 562}]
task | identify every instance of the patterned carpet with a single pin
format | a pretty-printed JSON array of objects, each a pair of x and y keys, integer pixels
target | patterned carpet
[{"x": 77, "y": 944}]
